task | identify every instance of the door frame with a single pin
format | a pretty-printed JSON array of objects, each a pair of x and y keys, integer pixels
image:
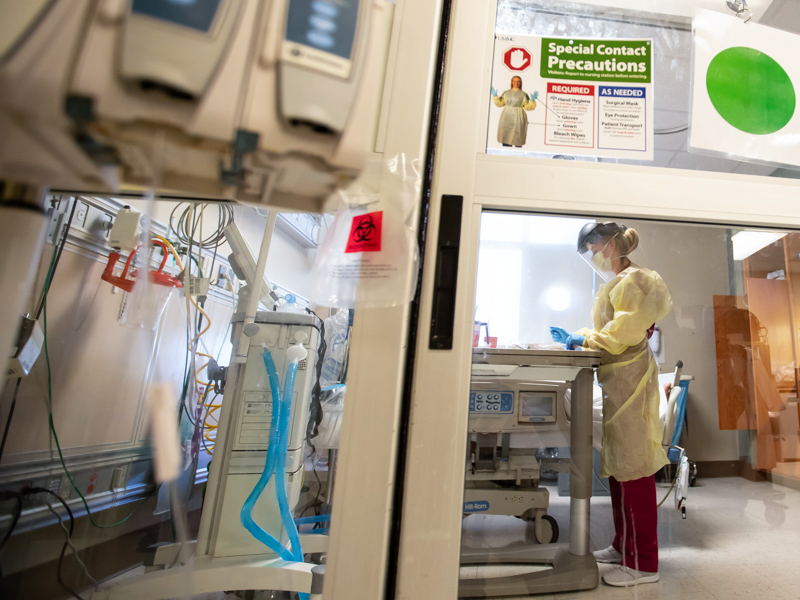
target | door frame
[
  {"x": 360, "y": 550},
  {"x": 430, "y": 542}
]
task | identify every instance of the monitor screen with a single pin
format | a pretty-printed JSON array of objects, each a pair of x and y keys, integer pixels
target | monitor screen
[
  {"x": 327, "y": 25},
  {"x": 535, "y": 406},
  {"x": 195, "y": 14}
]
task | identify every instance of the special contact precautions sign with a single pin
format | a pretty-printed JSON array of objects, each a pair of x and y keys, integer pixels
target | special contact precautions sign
[{"x": 588, "y": 97}]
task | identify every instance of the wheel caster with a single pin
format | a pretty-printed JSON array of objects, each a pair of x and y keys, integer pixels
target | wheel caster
[{"x": 549, "y": 530}]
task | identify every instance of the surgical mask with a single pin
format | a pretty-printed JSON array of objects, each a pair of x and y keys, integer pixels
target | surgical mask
[{"x": 602, "y": 264}]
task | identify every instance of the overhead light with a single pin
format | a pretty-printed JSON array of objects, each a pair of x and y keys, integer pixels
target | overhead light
[
  {"x": 747, "y": 243},
  {"x": 558, "y": 298}
]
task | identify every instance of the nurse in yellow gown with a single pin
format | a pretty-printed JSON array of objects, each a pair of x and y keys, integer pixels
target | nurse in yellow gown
[{"x": 625, "y": 308}]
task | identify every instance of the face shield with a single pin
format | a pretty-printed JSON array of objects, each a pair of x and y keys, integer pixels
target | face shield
[{"x": 591, "y": 248}]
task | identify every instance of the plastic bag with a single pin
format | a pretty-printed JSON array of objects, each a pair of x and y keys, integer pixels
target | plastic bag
[
  {"x": 336, "y": 328},
  {"x": 369, "y": 255},
  {"x": 144, "y": 306}
]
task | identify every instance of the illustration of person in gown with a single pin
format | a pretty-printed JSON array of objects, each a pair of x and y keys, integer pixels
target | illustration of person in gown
[{"x": 512, "y": 130}]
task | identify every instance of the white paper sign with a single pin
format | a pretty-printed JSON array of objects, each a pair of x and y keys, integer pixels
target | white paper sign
[
  {"x": 588, "y": 97},
  {"x": 745, "y": 90}
]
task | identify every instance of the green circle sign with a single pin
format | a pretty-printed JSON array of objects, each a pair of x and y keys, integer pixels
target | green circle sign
[{"x": 750, "y": 90}]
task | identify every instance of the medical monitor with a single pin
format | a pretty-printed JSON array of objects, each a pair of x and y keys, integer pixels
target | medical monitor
[{"x": 537, "y": 407}]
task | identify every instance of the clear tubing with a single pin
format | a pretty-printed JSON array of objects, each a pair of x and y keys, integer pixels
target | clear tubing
[
  {"x": 280, "y": 476},
  {"x": 273, "y": 450}
]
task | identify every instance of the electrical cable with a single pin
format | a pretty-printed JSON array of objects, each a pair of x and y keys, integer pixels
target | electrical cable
[
  {"x": 315, "y": 409},
  {"x": 15, "y": 519},
  {"x": 69, "y": 542},
  {"x": 600, "y": 481},
  {"x": 47, "y": 282},
  {"x": 191, "y": 342},
  {"x": 10, "y": 416},
  {"x": 319, "y": 492},
  {"x": 38, "y": 490},
  {"x": 53, "y": 428},
  {"x": 59, "y": 577},
  {"x": 83, "y": 499},
  {"x": 674, "y": 481},
  {"x": 205, "y": 436},
  {"x": 315, "y": 502},
  {"x": 184, "y": 223},
  {"x": 187, "y": 370},
  {"x": 56, "y": 258}
]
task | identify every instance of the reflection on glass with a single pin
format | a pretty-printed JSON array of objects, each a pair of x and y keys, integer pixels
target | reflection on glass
[{"x": 757, "y": 353}]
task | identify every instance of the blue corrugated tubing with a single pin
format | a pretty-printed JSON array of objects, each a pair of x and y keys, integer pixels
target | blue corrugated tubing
[
  {"x": 273, "y": 450},
  {"x": 280, "y": 476},
  {"x": 315, "y": 519}
]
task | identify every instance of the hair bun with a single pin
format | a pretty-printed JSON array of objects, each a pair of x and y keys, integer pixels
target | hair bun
[{"x": 631, "y": 237}]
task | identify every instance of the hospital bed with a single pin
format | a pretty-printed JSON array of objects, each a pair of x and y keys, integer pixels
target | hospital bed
[
  {"x": 517, "y": 406},
  {"x": 505, "y": 459}
]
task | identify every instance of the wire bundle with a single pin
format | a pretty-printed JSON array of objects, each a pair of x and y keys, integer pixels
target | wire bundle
[
  {"x": 189, "y": 219},
  {"x": 188, "y": 227},
  {"x": 67, "y": 532}
]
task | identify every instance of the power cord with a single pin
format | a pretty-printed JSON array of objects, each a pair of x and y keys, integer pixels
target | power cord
[
  {"x": 10, "y": 416},
  {"x": 69, "y": 543},
  {"x": 51, "y": 271},
  {"x": 7, "y": 495}
]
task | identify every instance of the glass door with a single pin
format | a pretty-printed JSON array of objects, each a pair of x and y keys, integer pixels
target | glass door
[{"x": 516, "y": 270}]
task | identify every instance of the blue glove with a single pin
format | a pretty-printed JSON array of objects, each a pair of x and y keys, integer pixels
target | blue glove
[
  {"x": 494, "y": 92},
  {"x": 559, "y": 335},
  {"x": 534, "y": 96},
  {"x": 574, "y": 341}
]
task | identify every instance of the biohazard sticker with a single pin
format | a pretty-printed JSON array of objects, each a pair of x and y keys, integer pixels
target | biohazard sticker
[{"x": 365, "y": 233}]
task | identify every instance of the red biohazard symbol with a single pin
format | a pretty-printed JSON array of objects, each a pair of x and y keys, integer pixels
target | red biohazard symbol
[{"x": 365, "y": 233}]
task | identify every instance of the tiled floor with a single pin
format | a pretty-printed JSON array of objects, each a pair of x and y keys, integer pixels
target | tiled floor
[{"x": 740, "y": 540}]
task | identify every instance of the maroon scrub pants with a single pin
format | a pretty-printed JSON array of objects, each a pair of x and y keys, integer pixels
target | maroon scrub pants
[{"x": 636, "y": 522}]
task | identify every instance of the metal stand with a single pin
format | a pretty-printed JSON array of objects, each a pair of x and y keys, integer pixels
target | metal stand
[{"x": 206, "y": 575}]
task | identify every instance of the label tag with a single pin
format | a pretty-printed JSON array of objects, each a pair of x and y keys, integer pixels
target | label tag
[{"x": 365, "y": 233}]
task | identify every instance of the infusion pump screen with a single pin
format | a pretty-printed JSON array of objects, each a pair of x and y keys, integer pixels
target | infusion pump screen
[
  {"x": 537, "y": 407},
  {"x": 327, "y": 25},
  {"x": 195, "y": 14}
]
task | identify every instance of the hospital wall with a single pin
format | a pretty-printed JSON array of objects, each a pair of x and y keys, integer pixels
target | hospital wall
[
  {"x": 99, "y": 366},
  {"x": 693, "y": 261}
]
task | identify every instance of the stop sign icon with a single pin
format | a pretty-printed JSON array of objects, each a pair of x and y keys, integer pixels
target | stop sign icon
[{"x": 517, "y": 58}]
